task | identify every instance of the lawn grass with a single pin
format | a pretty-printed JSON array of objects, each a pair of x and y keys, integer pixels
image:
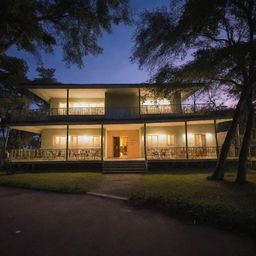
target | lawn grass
[
  {"x": 80, "y": 182},
  {"x": 189, "y": 194}
]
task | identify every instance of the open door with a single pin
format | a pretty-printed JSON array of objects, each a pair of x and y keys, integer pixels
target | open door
[{"x": 116, "y": 146}]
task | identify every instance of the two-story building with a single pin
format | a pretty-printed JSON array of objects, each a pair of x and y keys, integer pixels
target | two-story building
[{"x": 114, "y": 122}]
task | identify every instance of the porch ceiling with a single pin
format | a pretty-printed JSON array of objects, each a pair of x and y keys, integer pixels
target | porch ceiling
[
  {"x": 123, "y": 126},
  {"x": 37, "y": 129},
  {"x": 47, "y": 94}
]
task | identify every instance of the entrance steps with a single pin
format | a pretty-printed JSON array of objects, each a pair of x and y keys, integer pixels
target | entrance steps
[{"x": 124, "y": 166}]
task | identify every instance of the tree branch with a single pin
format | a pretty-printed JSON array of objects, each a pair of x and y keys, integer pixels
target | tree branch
[{"x": 14, "y": 41}]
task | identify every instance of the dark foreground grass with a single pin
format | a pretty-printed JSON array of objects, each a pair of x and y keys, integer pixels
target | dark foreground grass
[
  {"x": 189, "y": 194},
  {"x": 81, "y": 182}
]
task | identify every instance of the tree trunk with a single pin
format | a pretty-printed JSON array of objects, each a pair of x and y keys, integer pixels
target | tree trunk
[
  {"x": 243, "y": 157},
  {"x": 219, "y": 171},
  {"x": 3, "y": 153}
]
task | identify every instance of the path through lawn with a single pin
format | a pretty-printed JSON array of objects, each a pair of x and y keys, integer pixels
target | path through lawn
[{"x": 120, "y": 185}]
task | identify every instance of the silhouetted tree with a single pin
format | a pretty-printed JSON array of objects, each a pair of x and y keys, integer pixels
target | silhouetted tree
[
  {"x": 218, "y": 37},
  {"x": 45, "y": 75},
  {"x": 75, "y": 25}
]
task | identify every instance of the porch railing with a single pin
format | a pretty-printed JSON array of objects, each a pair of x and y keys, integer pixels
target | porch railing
[
  {"x": 37, "y": 154},
  {"x": 166, "y": 152},
  {"x": 84, "y": 154},
  {"x": 54, "y": 154},
  {"x": 190, "y": 152},
  {"x": 79, "y": 154}
]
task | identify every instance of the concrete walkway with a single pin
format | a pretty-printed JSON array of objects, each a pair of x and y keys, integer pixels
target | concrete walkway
[
  {"x": 118, "y": 184},
  {"x": 40, "y": 224}
]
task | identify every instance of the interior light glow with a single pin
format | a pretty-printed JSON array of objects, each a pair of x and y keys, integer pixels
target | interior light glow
[
  {"x": 190, "y": 135},
  {"x": 85, "y": 104},
  {"x": 163, "y": 102},
  {"x": 162, "y": 137},
  {"x": 151, "y": 102},
  {"x": 85, "y": 139},
  {"x": 62, "y": 105},
  {"x": 208, "y": 135}
]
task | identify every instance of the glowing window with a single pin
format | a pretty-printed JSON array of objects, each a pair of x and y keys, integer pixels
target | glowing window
[
  {"x": 73, "y": 140},
  {"x": 170, "y": 140},
  {"x": 62, "y": 105},
  {"x": 161, "y": 140},
  {"x": 200, "y": 140},
  {"x": 89, "y": 141},
  {"x": 59, "y": 141}
]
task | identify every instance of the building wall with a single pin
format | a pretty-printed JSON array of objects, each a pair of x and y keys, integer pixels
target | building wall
[
  {"x": 207, "y": 129},
  {"x": 54, "y": 102},
  {"x": 119, "y": 104},
  {"x": 136, "y": 137},
  {"x": 179, "y": 132},
  {"x": 117, "y": 99},
  {"x": 133, "y": 142},
  {"x": 48, "y": 134}
]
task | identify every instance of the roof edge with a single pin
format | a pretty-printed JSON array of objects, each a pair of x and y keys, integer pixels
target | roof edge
[{"x": 84, "y": 86}]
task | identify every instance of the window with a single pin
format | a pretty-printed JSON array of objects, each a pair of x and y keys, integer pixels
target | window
[
  {"x": 152, "y": 140},
  {"x": 73, "y": 141},
  {"x": 199, "y": 140},
  {"x": 170, "y": 140},
  {"x": 85, "y": 104},
  {"x": 161, "y": 140},
  {"x": 77, "y": 141},
  {"x": 96, "y": 141},
  {"x": 62, "y": 105},
  {"x": 59, "y": 141},
  {"x": 89, "y": 141}
]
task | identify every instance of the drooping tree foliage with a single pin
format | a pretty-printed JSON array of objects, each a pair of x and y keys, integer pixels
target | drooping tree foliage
[
  {"x": 75, "y": 25},
  {"x": 215, "y": 42}
]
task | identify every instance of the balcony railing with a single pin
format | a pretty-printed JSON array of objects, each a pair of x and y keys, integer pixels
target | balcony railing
[
  {"x": 177, "y": 109},
  {"x": 78, "y": 111},
  {"x": 110, "y": 113},
  {"x": 54, "y": 154}
]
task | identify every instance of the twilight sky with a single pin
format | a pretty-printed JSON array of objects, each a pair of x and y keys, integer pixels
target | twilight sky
[{"x": 112, "y": 66}]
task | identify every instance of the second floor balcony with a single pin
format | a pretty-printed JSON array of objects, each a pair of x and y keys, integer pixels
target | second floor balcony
[{"x": 101, "y": 113}]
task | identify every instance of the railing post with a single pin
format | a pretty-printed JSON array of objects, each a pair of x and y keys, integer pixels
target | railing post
[
  {"x": 67, "y": 105},
  {"x": 145, "y": 141},
  {"x": 67, "y": 145},
  {"x": 186, "y": 139},
  {"x": 101, "y": 142},
  {"x": 139, "y": 103},
  {"x": 216, "y": 138}
]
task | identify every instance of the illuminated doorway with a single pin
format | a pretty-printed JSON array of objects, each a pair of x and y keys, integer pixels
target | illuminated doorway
[{"x": 120, "y": 146}]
